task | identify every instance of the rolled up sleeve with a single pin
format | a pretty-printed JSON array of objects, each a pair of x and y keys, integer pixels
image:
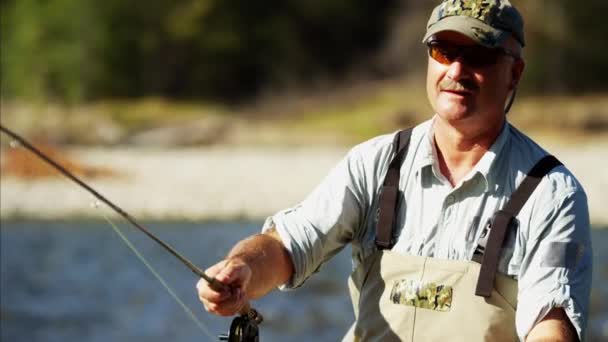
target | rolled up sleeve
[
  {"x": 556, "y": 271},
  {"x": 325, "y": 221}
]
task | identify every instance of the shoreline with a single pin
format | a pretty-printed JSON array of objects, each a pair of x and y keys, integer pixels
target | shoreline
[
  {"x": 219, "y": 183},
  {"x": 223, "y": 183}
]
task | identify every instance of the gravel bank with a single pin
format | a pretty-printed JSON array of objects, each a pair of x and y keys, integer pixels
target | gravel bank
[
  {"x": 195, "y": 184},
  {"x": 226, "y": 183}
]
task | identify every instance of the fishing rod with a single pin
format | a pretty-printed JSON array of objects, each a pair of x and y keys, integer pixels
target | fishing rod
[{"x": 243, "y": 328}]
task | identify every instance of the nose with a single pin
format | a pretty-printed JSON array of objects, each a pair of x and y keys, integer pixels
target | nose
[{"x": 457, "y": 69}]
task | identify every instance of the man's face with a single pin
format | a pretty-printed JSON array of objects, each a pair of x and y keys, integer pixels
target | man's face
[{"x": 461, "y": 93}]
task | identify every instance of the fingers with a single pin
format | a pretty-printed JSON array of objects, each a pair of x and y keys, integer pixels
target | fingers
[
  {"x": 227, "y": 307},
  {"x": 207, "y": 293},
  {"x": 229, "y": 299},
  {"x": 234, "y": 274}
]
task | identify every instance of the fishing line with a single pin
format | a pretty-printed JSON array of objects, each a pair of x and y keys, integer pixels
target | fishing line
[
  {"x": 96, "y": 204},
  {"x": 243, "y": 328},
  {"x": 117, "y": 209},
  {"x": 172, "y": 292}
]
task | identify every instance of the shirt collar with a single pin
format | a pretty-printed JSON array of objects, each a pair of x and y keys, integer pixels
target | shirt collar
[
  {"x": 485, "y": 165},
  {"x": 427, "y": 157}
]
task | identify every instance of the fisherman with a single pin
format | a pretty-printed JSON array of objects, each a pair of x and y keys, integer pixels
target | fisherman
[{"x": 462, "y": 228}]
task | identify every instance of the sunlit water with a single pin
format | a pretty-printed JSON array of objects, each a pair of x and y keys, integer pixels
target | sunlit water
[{"x": 76, "y": 281}]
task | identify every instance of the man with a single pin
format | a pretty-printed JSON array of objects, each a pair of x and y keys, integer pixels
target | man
[{"x": 423, "y": 255}]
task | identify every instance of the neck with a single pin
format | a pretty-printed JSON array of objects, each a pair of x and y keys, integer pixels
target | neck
[{"x": 459, "y": 150}]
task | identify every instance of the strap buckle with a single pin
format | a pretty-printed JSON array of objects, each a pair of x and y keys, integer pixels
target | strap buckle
[{"x": 482, "y": 242}]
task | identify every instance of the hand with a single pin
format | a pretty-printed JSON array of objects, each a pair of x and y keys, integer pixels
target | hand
[{"x": 235, "y": 275}]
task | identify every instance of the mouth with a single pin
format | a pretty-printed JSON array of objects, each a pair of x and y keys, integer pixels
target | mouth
[
  {"x": 462, "y": 93},
  {"x": 462, "y": 88}
]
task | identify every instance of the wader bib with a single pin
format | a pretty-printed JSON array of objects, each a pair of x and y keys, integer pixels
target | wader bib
[{"x": 400, "y": 297}]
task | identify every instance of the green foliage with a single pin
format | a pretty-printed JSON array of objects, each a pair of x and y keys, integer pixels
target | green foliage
[
  {"x": 79, "y": 50},
  {"x": 47, "y": 49},
  {"x": 566, "y": 49},
  {"x": 586, "y": 45},
  {"x": 85, "y": 49}
]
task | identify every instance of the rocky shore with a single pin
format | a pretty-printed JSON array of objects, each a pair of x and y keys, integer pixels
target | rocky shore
[{"x": 221, "y": 183}]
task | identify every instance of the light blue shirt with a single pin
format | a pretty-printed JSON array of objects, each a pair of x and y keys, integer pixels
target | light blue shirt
[{"x": 549, "y": 253}]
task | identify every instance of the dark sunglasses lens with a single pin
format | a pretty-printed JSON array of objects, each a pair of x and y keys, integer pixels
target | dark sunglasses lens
[
  {"x": 479, "y": 56},
  {"x": 442, "y": 54}
]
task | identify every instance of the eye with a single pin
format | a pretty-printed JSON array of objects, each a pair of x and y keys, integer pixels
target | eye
[{"x": 450, "y": 52}]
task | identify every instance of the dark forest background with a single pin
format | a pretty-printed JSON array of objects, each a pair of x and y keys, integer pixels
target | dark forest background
[{"x": 231, "y": 51}]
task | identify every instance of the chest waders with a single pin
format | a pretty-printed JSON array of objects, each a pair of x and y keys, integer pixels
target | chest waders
[{"x": 400, "y": 297}]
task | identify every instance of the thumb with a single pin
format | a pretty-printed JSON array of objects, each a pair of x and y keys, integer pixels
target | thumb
[{"x": 234, "y": 273}]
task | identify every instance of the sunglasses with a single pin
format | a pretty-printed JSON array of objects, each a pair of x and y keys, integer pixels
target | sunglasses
[{"x": 471, "y": 55}]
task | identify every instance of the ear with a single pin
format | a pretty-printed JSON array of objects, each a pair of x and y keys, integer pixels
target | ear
[{"x": 517, "y": 70}]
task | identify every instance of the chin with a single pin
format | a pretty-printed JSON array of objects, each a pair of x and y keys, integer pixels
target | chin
[
  {"x": 454, "y": 113},
  {"x": 453, "y": 107}
]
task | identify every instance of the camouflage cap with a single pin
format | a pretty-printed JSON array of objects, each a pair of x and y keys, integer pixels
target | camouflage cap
[{"x": 488, "y": 22}]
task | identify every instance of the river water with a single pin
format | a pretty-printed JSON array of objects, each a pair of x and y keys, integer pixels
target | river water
[{"x": 76, "y": 281}]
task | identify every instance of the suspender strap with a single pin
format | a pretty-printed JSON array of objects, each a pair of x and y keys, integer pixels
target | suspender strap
[
  {"x": 501, "y": 220},
  {"x": 389, "y": 192}
]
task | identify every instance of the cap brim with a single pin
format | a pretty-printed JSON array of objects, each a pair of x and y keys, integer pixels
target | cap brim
[{"x": 477, "y": 30}]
